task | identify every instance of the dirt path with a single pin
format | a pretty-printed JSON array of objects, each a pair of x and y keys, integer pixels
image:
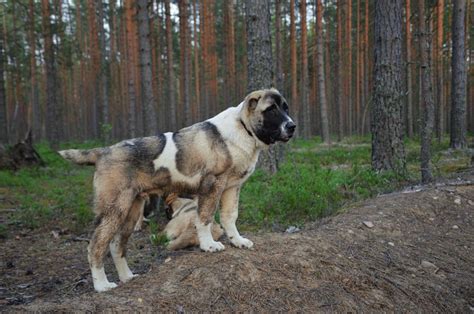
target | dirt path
[{"x": 418, "y": 255}]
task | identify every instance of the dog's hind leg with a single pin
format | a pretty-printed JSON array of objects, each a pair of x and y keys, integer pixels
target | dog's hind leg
[
  {"x": 111, "y": 220},
  {"x": 118, "y": 246}
]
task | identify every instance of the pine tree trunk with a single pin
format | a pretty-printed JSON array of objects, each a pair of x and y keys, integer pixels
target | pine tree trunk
[
  {"x": 409, "y": 80},
  {"x": 278, "y": 48},
  {"x": 150, "y": 120},
  {"x": 358, "y": 74},
  {"x": 348, "y": 69},
  {"x": 196, "y": 108},
  {"x": 3, "y": 102},
  {"x": 132, "y": 119},
  {"x": 387, "y": 144},
  {"x": 35, "y": 123},
  {"x": 260, "y": 64},
  {"x": 171, "y": 76},
  {"x": 52, "y": 112},
  {"x": 184, "y": 61},
  {"x": 320, "y": 68},
  {"x": 304, "y": 113},
  {"x": 339, "y": 84},
  {"x": 294, "y": 74},
  {"x": 439, "y": 70},
  {"x": 459, "y": 68},
  {"x": 427, "y": 94},
  {"x": 104, "y": 69},
  {"x": 229, "y": 77}
]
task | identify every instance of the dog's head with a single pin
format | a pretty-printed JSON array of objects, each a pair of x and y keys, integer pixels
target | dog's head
[{"x": 268, "y": 116}]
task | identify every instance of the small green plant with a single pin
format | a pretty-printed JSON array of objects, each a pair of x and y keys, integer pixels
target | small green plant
[{"x": 156, "y": 237}]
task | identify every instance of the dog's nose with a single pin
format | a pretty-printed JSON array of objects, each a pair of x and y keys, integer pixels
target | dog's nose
[{"x": 290, "y": 127}]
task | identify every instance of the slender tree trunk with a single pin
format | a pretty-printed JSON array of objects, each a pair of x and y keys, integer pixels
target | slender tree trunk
[
  {"x": 260, "y": 63},
  {"x": 348, "y": 70},
  {"x": 458, "y": 93},
  {"x": 320, "y": 68},
  {"x": 104, "y": 69},
  {"x": 229, "y": 77},
  {"x": 184, "y": 60},
  {"x": 339, "y": 65},
  {"x": 409, "y": 70},
  {"x": 293, "y": 74},
  {"x": 304, "y": 112},
  {"x": 132, "y": 119},
  {"x": 150, "y": 120},
  {"x": 171, "y": 76},
  {"x": 367, "y": 96},
  {"x": 197, "y": 88},
  {"x": 34, "y": 119},
  {"x": 3, "y": 102},
  {"x": 52, "y": 112},
  {"x": 388, "y": 151},
  {"x": 427, "y": 94},
  {"x": 439, "y": 69},
  {"x": 278, "y": 48},
  {"x": 358, "y": 72}
]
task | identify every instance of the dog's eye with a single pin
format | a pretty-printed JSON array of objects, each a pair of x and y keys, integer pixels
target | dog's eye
[
  {"x": 271, "y": 108},
  {"x": 285, "y": 107}
]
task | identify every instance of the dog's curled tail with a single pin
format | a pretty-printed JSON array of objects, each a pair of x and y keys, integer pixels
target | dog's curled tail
[{"x": 81, "y": 156}]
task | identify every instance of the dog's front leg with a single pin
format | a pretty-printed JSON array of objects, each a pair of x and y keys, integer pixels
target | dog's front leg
[
  {"x": 207, "y": 206},
  {"x": 229, "y": 214}
]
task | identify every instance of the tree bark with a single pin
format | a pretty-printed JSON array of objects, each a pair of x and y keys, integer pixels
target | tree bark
[
  {"x": 427, "y": 94},
  {"x": 409, "y": 80},
  {"x": 104, "y": 69},
  {"x": 388, "y": 151},
  {"x": 439, "y": 70},
  {"x": 150, "y": 120},
  {"x": 339, "y": 65},
  {"x": 320, "y": 68},
  {"x": 34, "y": 119},
  {"x": 130, "y": 35},
  {"x": 184, "y": 61},
  {"x": 348, "y": 70},
  {"x": 294, "y": 73},
  {"x": 52, "y": 112},
  {"x": 3, "y": 102},
  {"x": 260, "y": 64},
  {"x": 305, "y": 113},
  {"x": 196, "y": 108},
  {"x": 278, "y": 48},
  {"x": 171, "y": 76},
  {"x": 229, "y": 77},
  {"x": 459, "y": 77}
]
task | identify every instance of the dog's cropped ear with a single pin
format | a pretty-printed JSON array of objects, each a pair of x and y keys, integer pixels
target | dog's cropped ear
[{"x": 253, "y": 98}]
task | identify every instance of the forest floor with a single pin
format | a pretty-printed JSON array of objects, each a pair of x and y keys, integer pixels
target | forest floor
[{"x": 410, "y": 250}]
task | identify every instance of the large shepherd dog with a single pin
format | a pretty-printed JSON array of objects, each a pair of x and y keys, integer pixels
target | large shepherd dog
[{"x": 209, "y": 160}]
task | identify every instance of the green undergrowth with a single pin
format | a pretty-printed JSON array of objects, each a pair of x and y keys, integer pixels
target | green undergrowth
[{"x": 315, "y": 180}]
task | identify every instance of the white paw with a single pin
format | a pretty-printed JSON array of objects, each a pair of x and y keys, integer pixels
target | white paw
[
  {"x": 128, "y": 277},
  {"x": 104, "y": 286},
  {"x": 213, "y": 246},
  {"x": 241, "y": 242}
]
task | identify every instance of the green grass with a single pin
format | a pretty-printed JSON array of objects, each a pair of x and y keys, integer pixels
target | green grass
[{"x": 315, "y": 180}]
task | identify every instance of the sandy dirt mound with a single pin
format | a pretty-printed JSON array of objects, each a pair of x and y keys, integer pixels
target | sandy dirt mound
[{"x": 406, "y": 251}]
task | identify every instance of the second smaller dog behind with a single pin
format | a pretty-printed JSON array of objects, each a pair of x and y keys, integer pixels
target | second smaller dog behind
[{"x": 180, "y": 230}]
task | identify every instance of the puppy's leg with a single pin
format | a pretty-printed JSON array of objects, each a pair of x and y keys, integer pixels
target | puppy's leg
[
  {"x": 111, "y": 219},
  {"x": 138, "y": 225},
  {"x": 229, "y": 214},
  {"x": 118, "y": 246},
  {"x": 207, "y": 207}
]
